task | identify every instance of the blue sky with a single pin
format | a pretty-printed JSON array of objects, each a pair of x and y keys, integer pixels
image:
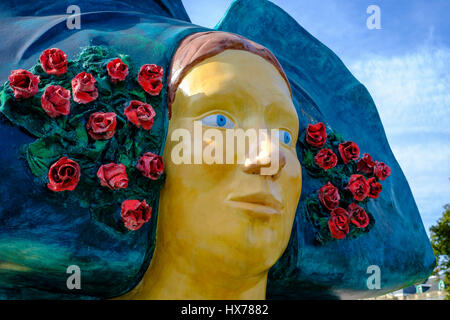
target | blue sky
[{"x": 405, "y": 65}]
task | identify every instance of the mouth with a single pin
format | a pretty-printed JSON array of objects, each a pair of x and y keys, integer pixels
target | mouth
[{"x": 262, "y": 203}]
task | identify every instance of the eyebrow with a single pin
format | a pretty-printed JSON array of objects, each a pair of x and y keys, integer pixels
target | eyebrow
[
  {"x": 289, "y": 117},
  {"x": 231, "y": 100},
  {"x": 204, "y": 103}
]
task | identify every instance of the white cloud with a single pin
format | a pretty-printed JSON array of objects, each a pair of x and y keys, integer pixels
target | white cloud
[{"x": 412, "y": 94}]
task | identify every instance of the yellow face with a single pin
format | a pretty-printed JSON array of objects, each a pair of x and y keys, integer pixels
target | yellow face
[{"x": 224, "y": 218}]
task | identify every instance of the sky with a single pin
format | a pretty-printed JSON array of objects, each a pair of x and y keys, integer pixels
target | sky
[{"x": 405, "y": 65}]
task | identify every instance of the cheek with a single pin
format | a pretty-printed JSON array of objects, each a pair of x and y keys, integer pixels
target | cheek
[
  {"x": 195, "y": 193},
  {"x": 291, "y": 184},
  {"x": 292, "y": 176},
  {"x": 195, "y": 216},
  {"x": 202, "y": 177}
]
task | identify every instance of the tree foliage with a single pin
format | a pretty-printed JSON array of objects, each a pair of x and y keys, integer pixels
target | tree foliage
[{"x": 440, "y": 240}]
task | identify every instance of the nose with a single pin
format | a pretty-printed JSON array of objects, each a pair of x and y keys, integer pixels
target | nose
[{"x": 266, "y": 158}]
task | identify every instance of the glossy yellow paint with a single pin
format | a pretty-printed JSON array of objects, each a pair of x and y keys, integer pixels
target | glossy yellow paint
[{"x": 221, "y": 227}]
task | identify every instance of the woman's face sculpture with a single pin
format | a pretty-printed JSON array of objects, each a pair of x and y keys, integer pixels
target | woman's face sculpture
[{"x": 223, "y": 218}]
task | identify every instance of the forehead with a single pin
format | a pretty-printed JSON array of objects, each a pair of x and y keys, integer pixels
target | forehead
[{"x": 238, "y": 73}]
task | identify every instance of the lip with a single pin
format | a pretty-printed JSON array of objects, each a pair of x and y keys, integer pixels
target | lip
[{"x": 261, "y": 202}]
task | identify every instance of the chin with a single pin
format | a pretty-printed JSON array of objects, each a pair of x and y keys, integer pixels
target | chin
[
  {"x": 256, "y": 262},
  {"x": 248, "y": 258}
]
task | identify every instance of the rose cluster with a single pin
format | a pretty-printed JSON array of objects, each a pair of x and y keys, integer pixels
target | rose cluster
[
  {"x": 64, "y": 174},
  {"x": 361, "y": 178}
]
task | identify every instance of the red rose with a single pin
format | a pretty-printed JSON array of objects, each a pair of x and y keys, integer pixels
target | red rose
[
  {"x": 339, "y": 223},
  {"x": 316, "y": 134},
  {"x": 140, "y": 114},
  {"x": 113, "y": 176},
  {"x": 56, "y": 101},
  {"x": 375, "y": 188},
  {"x": 381, "y": 170},
  {"x": 83, "y": 88},
  {"x": 365, "y": 164},
  {"x": 329, "y": 196},
  {"x": 117, "y": 70},
  {"x": 358, "y": 216},
  {"x": 54, "y": 61},
  {"x": 349, "y": 151},
  {"x": 326, "y": 159},
  {"x": 63, "y": 175},
  {"x": 102, "y": 126},
  {"x": 150, "y": 78},
  {"x": 135, "y": 213},
  {"x": 24, "y": 84},
  {"x": 150, "y": 165},
  {"x": 358, "y": 186}
]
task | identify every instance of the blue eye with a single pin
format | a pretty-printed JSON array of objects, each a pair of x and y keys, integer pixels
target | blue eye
[
  {"x": 221, "y": 120},
  {"x": 285, "y": 137},
  {"x": 218, "y": 120}
]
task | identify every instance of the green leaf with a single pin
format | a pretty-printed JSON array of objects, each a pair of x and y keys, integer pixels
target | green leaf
[
  {"x": 104, "y": 86},
  {"x": 95, "y": 150},
  {"x": 308, "y": 159},
  {"x": 26, "y": 113},
  {"x": 42, "y": 153},
  {"x": 138, "y": 95},
  {"x": 125, "y": 58},
  {"x": 81, "y": 135}
]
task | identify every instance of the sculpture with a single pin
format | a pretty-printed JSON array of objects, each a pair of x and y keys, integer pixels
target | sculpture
[
  {"x": 227, "y": 216},
  {"x": 241, "y": 241}
]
